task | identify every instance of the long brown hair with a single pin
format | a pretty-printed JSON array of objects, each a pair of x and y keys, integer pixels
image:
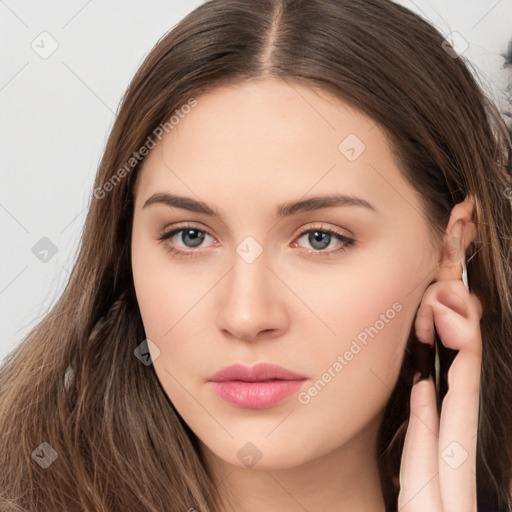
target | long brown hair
[{"x": 74, "y": 382}]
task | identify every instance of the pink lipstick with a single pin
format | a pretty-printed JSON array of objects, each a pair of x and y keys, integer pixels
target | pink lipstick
[{"x": 256, "y": 387}]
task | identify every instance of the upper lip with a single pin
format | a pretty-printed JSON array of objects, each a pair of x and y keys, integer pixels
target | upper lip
[{"x": 259, "y": 372}]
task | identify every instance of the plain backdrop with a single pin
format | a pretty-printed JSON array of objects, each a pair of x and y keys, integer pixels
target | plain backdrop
[{"x": 64, "y": 68}]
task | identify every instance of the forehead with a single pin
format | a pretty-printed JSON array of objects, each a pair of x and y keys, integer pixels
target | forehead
[{"x": 269, "y": 141}]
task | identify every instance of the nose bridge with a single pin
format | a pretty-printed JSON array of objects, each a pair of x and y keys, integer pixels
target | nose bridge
[
  {"x": 250, "y": 275},
  {"x": 250, "y": 302}
]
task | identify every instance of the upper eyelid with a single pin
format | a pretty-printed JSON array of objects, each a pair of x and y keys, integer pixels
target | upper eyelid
[
  {"x": 167, "y": 234},
  {"x": 320, "y": 226}
]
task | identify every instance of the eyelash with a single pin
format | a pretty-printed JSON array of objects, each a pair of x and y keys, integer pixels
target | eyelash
[{"x": 348, "y": 242}]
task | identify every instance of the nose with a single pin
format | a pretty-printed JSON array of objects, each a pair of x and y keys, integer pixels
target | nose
[{"x": 251, "y": 304}]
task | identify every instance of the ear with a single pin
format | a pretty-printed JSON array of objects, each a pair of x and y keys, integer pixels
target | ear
[{"x": 460, "y": 232}]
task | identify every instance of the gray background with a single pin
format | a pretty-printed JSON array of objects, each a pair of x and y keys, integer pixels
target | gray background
[{"x": 57, "y": 110}]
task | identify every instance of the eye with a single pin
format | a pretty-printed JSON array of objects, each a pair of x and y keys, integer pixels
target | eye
[
  {"x": 321, "y": 237},
  {"x": 189, "y": 235},
  {"x": 192, "y": 237}
]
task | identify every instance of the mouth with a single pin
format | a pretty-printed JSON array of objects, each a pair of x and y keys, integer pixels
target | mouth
[
  {"x": 257, "y": 394},
  {"x": 256, "y": 387}
]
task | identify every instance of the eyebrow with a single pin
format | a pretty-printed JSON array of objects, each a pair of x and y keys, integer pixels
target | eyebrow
[{"x": 283, "y": 210}]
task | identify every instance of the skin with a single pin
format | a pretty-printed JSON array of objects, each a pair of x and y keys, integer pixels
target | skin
[{"x": 243, "y": 150}]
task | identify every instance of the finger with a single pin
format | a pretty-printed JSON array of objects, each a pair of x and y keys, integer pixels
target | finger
[
  {"x": 458, "y": 431},
  {"x": 457, "y": 315},
  {"x": 419, "y": 472},
  {"x": 424, "y": 321}
]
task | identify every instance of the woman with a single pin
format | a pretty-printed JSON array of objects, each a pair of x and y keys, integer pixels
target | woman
[{"x": 287, "y": 190}]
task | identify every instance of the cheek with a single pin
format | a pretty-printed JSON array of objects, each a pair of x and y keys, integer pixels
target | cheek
[
  {"x": 364, "y": 309},
  {"x": 148, "y": 290},
  {"x": 166, "y": 308},
  {"x": 160, "y": 300},
  {"x": 164, "y": 290},
  {"x": 172, "y": 302},
  {"x": 356, "y": 368}
]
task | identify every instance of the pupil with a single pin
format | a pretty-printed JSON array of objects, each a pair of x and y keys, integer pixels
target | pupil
[
  {"x": 316, "y": 236},
  {"x": 194, "y": 234}
]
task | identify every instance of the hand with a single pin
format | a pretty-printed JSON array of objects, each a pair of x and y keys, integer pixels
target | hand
[{"x": 438, "y": 466}]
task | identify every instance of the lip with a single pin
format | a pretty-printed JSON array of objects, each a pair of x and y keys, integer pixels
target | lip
[
  {"x": 256, "y": 387},
  {"x": 257, "y": 373}
]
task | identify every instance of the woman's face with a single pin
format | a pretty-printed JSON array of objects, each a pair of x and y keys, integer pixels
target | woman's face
[{"x": 249, "y": 287}]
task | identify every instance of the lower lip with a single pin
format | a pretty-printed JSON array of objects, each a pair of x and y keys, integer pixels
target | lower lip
[{"x": 256, "y": 395}]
